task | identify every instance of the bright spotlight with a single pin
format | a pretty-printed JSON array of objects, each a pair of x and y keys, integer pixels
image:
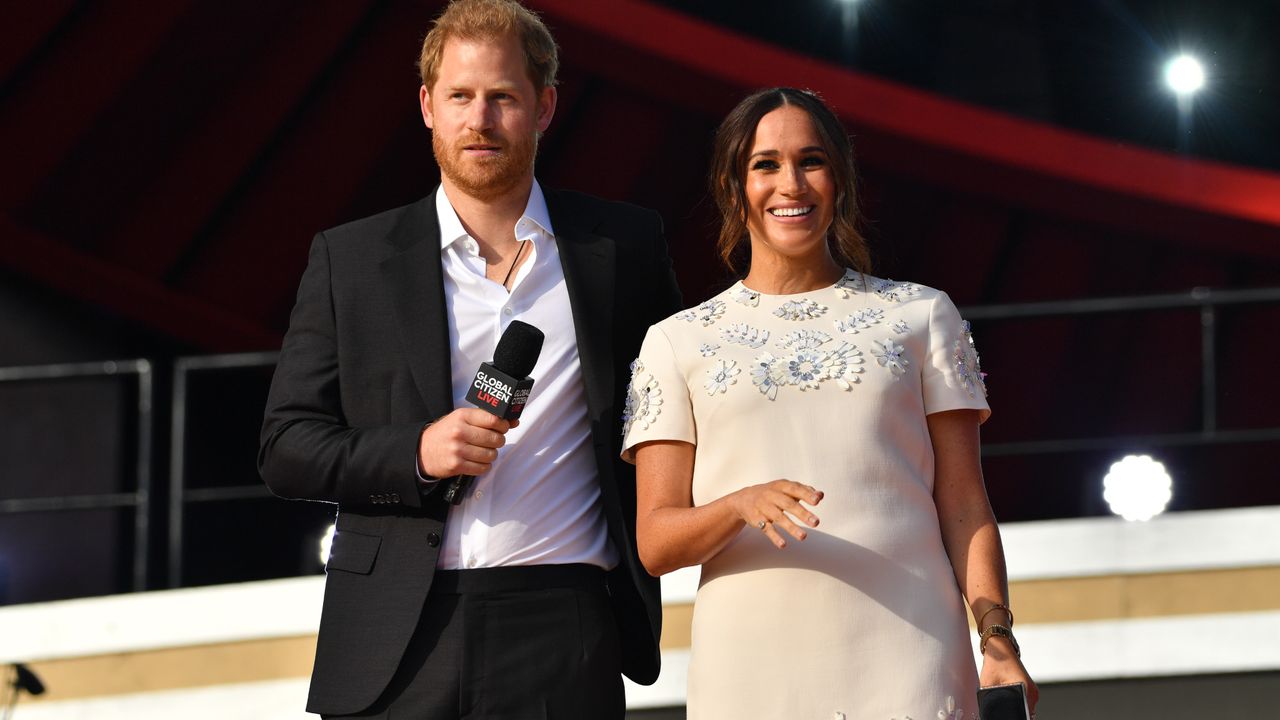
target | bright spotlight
[
  {"x": 1184, "y": 75},
  {"x": 326, "y": 544},
  {"x": 1137, "y": 488}
]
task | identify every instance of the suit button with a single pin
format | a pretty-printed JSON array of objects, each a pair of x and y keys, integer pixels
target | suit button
[{"x": 433, "y": 539}]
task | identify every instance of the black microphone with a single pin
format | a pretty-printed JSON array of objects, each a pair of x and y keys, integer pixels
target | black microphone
[{"x": 502, "y": 386}]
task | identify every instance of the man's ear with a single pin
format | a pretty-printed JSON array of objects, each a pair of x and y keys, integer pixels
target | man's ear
[
  {"x": 546, "y": 107},
  {"x": 424, "y": 99}
]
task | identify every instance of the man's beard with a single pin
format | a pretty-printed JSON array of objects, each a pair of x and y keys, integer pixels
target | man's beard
[{"x": 485, "y": 178}]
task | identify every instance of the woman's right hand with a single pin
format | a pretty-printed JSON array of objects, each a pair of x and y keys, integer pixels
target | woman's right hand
[{"x": 776, "y": 504}]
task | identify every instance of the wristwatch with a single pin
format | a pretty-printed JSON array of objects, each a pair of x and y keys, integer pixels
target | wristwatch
[{"x": 1003, "y": 632}]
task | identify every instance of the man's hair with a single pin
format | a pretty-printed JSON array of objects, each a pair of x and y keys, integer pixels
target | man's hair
[
  {"x": 489, "y": 20},
  {"x": 733, "y": 143}
]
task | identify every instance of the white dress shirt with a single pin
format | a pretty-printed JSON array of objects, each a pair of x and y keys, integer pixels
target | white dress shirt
[{"x": 539, "y": 502}]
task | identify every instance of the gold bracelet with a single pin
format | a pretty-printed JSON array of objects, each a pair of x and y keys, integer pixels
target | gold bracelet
[
  {"x": 1003, "y": 632},
  {"x": 997, "y": 606}
]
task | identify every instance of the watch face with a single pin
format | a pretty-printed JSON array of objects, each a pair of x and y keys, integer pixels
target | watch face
[{"x": 1002, "y": 631}]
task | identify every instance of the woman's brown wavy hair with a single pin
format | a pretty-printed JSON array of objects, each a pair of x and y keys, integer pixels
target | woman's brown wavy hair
[{"x": 733, "y": 143}]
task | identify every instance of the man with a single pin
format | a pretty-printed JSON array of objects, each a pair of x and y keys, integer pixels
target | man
[{"x": 527, "y": 599}]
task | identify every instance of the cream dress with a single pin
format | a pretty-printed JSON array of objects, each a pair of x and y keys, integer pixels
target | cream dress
[{"x": 863, "y": 620}]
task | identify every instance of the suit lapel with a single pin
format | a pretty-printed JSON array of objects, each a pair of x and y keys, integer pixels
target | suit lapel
[
  {"x": 588, "y": 261},
  {"x": 415, "y": 283}
]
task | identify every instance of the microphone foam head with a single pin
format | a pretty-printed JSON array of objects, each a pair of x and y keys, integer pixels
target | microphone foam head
[{"x": 518, "y": 349}]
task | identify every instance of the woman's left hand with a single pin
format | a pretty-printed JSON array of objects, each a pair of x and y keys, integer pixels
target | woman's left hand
[{"x": 1002, "y": 666}]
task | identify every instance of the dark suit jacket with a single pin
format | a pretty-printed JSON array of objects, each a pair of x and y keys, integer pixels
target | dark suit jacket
[{"x": 366, "y": 364}]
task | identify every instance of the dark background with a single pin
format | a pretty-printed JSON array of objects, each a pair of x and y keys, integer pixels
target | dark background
[{"x": 167, "y": 163}]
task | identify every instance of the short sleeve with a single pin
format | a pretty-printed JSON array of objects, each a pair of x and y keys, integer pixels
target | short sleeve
[
  {"x": 952, "y": 379},
  {"x": 658, "y": 405}
]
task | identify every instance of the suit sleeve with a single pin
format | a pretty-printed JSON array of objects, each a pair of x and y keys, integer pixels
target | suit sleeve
[
  {"x": 666, "y": 289},
  {"x": 307, "y": 448}
]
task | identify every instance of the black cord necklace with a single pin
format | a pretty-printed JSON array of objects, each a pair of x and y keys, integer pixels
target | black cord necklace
[{"x": 514, "y": 260}]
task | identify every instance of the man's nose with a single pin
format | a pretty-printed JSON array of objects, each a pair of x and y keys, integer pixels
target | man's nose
[{"x": 480, "y": 115}]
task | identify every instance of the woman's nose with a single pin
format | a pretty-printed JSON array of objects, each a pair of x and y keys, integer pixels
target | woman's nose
[{"x": 793, "y": 181}]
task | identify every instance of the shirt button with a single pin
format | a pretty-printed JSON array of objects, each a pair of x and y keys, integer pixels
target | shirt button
[
  {"x": 479, "y": 494},
  {"x": 433, "y": 539},
  {"x": 471, "y": 561},
  {"x": 471, "y": 247},
  {"x": 507, "y": 311}
]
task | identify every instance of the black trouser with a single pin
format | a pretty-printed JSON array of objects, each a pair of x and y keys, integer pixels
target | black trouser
[{"x": 512, "y": 643}]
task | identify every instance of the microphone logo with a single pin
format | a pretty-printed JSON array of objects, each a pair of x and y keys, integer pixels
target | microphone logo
[{"x": 499, "y": 393}]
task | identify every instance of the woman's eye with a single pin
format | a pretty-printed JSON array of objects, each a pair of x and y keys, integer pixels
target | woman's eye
[
  {"x": 765, "y": 165},
  {"x": 813, "y": 161}
]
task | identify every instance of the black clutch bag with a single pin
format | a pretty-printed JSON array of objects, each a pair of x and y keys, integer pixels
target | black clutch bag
[{"x": 1003, "y": 702}]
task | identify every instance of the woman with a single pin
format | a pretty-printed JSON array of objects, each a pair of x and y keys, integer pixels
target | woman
[{"x": 811, "y": 387}]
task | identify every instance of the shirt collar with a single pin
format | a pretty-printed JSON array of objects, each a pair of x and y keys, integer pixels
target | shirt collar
[{"x": 535, "y": 214}]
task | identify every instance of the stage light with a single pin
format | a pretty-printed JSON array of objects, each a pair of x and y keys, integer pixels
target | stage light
[
  {"x": 326, "y": 544},
  {"x": 1137, "y": 487},
  {"x": 1184, "y": 75}
]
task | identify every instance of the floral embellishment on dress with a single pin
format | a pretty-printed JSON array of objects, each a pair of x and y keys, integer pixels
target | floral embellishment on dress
[
  {"x": 720, "y": 377},
  {"x": 889, "y": 354},
  {"x": 860, "y": 320},
  {"x": 806, "y": 365},
  {"x": 707, "y": 349},
  {"x": 884, "y": 288},
  {"x": 949, "y": 710},
  {"x": 893, "y": 291},
  {"x": 744, "y": 334},
  {"x": 803, "y": 339},
  {"x": 644, "y": 400},
  {"x": 800, "y": 310},
  {"x": 843, "y": 366},
  {"x": 901, "y": 327},
  {"x": 846, "y": 285},
  {"x": 706, "y": 313},
  {"x": 766, "y": 375},
  {"x": 747, "y": 296},
  {"x": 805, "y": 368},
  {"x": 853, "y": 281},
  {"x": 964, "y": 357}
]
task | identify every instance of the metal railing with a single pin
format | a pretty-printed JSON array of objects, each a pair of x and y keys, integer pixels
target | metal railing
[
  {"x": 140, "y": 498},
  {"x": 1206, "y": 301},
  {"x": 179, "y": 494}
]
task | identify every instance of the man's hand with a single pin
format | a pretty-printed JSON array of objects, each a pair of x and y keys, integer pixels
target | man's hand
[{"x": 464, "y": 442}]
